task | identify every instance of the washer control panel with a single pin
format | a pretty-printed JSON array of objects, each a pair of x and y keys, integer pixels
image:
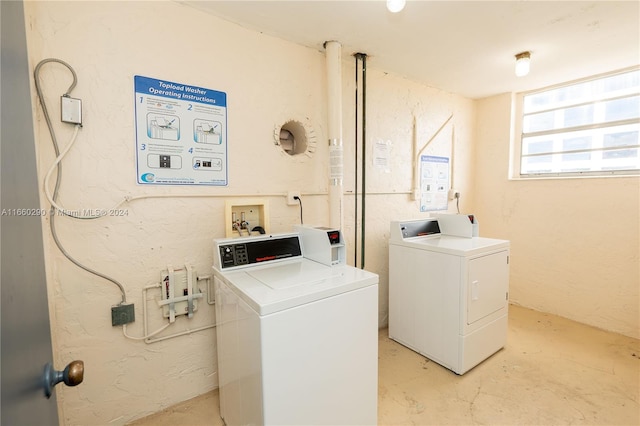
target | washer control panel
[
  {"x": 233, "y": 255},
  {"x": 251, "y": 250}
]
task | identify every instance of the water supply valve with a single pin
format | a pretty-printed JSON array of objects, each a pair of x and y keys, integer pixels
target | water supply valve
[{"x": 179, "y": 292}]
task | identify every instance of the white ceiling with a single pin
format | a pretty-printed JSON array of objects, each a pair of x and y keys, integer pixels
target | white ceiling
[{"x": 463, "y": 47}]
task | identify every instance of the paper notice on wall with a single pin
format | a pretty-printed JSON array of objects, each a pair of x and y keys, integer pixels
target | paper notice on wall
[
  {"x": 181, "y": 133},
  {"x": 336, "y": 162},
  {"x": 434, "y": 183},
  {"x": 381, "y": 155}
]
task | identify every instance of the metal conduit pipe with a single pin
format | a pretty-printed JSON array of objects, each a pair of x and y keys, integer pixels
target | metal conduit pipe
[
  {"x": 333, "y": 53},
  {"x": 360, "y": 168},
  {"x": 363, "y": 59},
  {"x": 355, "y": 168}
]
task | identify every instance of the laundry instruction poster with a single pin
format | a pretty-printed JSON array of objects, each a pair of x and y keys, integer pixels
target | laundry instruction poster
[
  {"x": 434, "y": 183},
  {"x": 181, "y": 133}
]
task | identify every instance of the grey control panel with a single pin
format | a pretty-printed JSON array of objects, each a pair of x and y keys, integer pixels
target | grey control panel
[
  {"x": 251, "y": 252},
  {"x": 416, "y": 229},
  {"x": 233, "y": 255}
]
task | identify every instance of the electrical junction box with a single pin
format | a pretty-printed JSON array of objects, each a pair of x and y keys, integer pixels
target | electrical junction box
[
  {"x": 177, "y": 287},
  {"x": 122, "y": 314},
  {"x": 71, "y": 110}
]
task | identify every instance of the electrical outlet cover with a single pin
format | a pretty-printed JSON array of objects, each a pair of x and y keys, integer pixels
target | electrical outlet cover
[{"x": 291, "y": 201}]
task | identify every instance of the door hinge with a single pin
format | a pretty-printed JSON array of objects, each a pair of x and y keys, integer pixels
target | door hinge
[
  {"x": 507, "y": 260},
  {"x": 507, "y": 295}
]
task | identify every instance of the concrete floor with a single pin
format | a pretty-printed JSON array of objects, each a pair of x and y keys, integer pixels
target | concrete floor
[{"x": 552, "y": 372}]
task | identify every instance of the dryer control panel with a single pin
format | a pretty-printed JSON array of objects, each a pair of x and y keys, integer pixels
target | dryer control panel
[
  {"x": 419, "y": 228},
  {"x": 249, "y": 251}
]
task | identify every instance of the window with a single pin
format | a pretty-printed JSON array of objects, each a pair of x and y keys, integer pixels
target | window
[{"x": 591, "y": 127}]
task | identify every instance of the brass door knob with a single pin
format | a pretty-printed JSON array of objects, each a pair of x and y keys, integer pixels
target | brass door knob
[{"x": 72, "y": 375}]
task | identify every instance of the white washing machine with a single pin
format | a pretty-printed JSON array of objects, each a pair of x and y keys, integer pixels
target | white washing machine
[
  {"x": 297, "y": 339},
  {"x": 448, "y": 294}
]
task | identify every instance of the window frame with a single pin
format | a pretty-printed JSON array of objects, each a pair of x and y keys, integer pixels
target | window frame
[{"x": 517, "y": 135}]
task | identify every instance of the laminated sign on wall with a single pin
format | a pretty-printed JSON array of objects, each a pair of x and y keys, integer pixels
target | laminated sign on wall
[
  {"x": 434, "y": 183},
  {"x": 181, "y": 133}
]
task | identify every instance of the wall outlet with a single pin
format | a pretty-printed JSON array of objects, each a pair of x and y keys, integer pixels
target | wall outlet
[
  {"x": 291, "y": 200},
  {"x": 122, "y": 314},
  {"x": 452, "y": 194}
]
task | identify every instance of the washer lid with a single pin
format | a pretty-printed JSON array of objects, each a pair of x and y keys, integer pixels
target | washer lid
[
  {"x": 294, "y": 274},
  {"x": 460, "y": 246},
  {"x": 272, "y": 288}
]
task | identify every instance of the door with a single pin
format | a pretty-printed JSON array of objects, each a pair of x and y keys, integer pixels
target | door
[
  {"x": 26, "y": 338},
  {"x": 488, "y": 283}
]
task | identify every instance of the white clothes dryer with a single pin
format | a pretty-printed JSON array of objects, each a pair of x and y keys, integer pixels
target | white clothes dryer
[
  {"x": 297, "y": 340},
  {"x": 448, "y": 295}
]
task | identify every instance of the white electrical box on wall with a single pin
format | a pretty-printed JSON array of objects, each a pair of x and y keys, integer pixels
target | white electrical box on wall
[
  {"x": 180, "y": 293},
  {"x": 71, "y": 110}
]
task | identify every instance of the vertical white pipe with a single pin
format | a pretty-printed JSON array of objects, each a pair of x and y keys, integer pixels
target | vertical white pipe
[
  {"x": 415, "y": 188},
  {"x": 453, "y": 157},
  {"x": 334, "y": 102}
]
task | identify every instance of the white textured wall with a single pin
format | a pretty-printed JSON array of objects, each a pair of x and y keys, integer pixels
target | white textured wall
[
  {"x": 574, "y": 242},
  {"x": 267, "y": 82},
  {"x": 392, "y": 104}
]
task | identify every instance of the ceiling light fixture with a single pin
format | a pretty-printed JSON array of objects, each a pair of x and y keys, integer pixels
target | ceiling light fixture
[
  {"x": 522, "y": 63},
  {"x": 396, "y": 6}
]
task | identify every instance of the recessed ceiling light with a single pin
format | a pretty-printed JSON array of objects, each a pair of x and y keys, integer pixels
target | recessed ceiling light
[{"x": 396, "y": 6}]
